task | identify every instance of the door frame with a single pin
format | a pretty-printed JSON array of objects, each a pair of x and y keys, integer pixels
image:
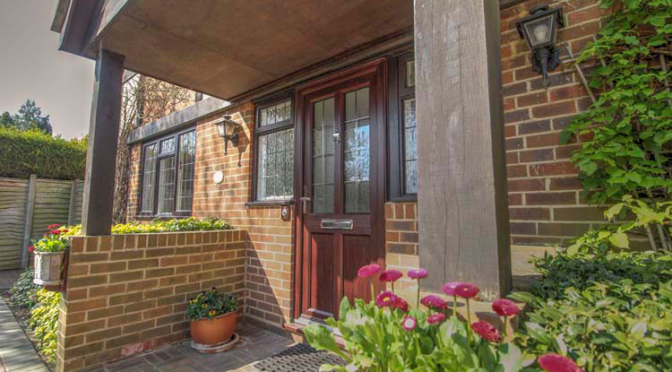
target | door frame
[{"x": 377, "y": 71}]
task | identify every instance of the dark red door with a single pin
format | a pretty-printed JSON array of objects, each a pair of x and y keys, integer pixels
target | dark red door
[{"x": 342, "y": 187}]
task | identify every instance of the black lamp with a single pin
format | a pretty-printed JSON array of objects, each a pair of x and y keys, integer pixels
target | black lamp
[
  {"x": 540, "y": 30},
  {"x": 227, "y": 129}
]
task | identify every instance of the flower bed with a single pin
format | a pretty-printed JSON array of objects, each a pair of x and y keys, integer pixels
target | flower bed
[{"x": 387, "y": 335}]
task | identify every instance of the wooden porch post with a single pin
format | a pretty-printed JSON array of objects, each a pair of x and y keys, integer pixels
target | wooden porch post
[
  {"x": 102, "y": 148},
  {"x": 462, "y": 195}
]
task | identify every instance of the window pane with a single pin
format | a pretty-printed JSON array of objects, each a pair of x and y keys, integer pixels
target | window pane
[
  {"x": 323, "y": 156},
  {"x": 185, "y": 174},
  {"x": 410, "y": 147},
  {"x": 166, "y": 202},
  {"x": 148, "y": 179},
  {"x": 275, "y": 177},
  {"x": 410, "y": 74},
  {"x": 357, "y": 157},
  {"x": 276, "y": 113},
  {"x": 168, "y": 145}
]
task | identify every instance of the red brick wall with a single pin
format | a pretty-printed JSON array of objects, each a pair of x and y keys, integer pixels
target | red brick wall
[
  {"x": 126, "y": 294},
  {"x": 544, "y": 190}
]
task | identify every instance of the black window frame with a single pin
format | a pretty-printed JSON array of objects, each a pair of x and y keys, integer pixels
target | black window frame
[
  {"x": 175, "y": 154},
  {"x": 397, "y": 93},
  {"x": 260, "y": 131}
]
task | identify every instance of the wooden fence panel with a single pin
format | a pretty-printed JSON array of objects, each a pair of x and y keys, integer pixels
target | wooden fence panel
[
  {"x": 13, "y": 194},
  {"x": 52, "y": 204}
]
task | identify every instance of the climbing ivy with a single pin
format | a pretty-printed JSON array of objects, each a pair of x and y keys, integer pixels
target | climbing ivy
[{"x": 627, "y": 132}]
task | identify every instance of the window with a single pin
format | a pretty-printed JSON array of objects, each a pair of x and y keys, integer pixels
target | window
[
  {"x": 168, "y": 175},
  {"x": 274, "y": 179},
  {"x": 403, "y": 143}
]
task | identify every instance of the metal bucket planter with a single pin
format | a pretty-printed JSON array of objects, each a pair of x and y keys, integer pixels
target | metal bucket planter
[{"x": 48, "y": 268}]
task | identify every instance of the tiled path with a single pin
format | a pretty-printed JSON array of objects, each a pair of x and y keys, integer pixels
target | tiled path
[
  {"x": 7, "y": 278},
  {"x": 16, "y": 351},
  {"x": 255, "y": 345}
]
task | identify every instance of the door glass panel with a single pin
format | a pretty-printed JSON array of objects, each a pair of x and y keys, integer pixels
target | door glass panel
[
  {"x": 410, "y": 148},
  {"x": 357, "y": 148},
  {"x": 323, "y": 156}
]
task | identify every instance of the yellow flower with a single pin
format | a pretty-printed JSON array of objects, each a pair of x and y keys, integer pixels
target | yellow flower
[
  {"x": 204, "y": 306},
  {"x": 212, "y": 313}
]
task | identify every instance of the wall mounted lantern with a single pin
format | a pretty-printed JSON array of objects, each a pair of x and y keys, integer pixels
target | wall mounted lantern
[
  {"x": 540, "y": 30},
  {"x": 227, "y": 129}
]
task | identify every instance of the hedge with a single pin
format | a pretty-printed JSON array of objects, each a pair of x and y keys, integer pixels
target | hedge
[{"x": 32, "y": 152}]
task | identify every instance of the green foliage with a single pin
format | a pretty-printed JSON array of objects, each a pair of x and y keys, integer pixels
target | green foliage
[
  {"x": 22, "y": 293},
  {"x": 174, "y": 225},
  {"x": 375, "y": 341},
  {"x": 608, "y": 310},
  {"x": 631, "y": 122},
  {"x": 29, "y": 118},
  {"x": 34, "y": 152},
  {"x": 44, "y": 322},
  {"x": 211, "y": 304}
]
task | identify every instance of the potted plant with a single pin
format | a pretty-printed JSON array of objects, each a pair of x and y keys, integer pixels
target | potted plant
[
  {"x": 49, "y": 253},
  {"x": 212, "y": 317}
]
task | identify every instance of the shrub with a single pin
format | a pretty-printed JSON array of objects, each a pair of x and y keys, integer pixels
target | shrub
[
  {"x": 22, "y": 293},
  {"x": 174, "y": 225},
  {"x": 610, "y": 311},
  {"x": 33, "y": 152},
  {"x": 44, "y": 322}
]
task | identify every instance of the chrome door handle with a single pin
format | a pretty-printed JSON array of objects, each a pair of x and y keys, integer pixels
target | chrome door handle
[{"x": 304, "y": 204}]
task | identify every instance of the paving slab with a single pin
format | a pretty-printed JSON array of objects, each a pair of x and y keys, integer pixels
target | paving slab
[{"x": 16, "y": 351}]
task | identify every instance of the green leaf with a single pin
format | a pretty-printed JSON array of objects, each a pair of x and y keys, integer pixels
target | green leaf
[
  {"x": 620, "y": 240},
  {"x": 511, "y": 358},
  {"x": 589, "y": 168}
]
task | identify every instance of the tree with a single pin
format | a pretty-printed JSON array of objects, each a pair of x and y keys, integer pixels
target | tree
[
  {"x": 143, "y": 100},
  {"x": 29, "y": 118}
]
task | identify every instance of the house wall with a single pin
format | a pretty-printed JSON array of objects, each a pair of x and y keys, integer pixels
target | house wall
[
  {"x": 127, "y": 294},
  {"x": 544, "y": 191},
  {"x": 269, "y": 244}
]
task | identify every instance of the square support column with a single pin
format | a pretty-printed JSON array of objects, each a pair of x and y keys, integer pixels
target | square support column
[
  {"x": 102, "y": 147},
  {"x": 462, "y": 195}
]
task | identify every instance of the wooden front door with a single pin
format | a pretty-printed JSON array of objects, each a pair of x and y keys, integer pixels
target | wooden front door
[{"x": 341, "y": 188}]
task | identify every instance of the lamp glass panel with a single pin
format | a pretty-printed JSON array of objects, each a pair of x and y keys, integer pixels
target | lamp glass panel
[
  {"x": 540, "y": 31},
  {"x": 230, "y": 129},
  {"x": 220, "y": 128}
]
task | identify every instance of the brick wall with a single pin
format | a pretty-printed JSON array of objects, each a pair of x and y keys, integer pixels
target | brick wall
[
  {"x": 126, "y": 294},
  {"x": 544, "y": 190},
  {"x": 270, "y": 257}
]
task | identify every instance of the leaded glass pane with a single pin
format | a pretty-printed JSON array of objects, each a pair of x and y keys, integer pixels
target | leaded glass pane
[
  {"x": 166, "y": 202},
  {"x": 148, "y": 179},
  {"x": 410, "y": 147},
  {"x": 168, "y": 145},
  {"x": 276, "y": 113},
  {"x": 185, "y": 174},
  {"x": 323, "y": 156},
  {"x": 357, "y": 151},
  {"x": 276, "y": 166}
]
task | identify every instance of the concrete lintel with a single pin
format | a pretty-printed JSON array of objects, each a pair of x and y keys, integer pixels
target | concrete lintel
[{"x": 179, "y": 119}]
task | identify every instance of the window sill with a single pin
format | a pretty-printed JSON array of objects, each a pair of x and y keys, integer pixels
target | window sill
[
  {"x": 404, "y": 198},
  {"x": 269, "y": 203}
]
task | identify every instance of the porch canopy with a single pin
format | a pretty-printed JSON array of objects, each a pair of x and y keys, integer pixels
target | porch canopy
[{"x": 226, "y": 48}]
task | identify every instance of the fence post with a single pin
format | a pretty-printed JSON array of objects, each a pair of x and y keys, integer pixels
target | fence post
[
  {"x": 28, "y": 225},
  {"x": 73, "y": 203}
]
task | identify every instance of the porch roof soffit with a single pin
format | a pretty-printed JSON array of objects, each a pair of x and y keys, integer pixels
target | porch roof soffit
[{"x": 225, "y": 48}]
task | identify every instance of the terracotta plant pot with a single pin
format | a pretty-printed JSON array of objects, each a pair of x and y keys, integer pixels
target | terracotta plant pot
[
  {"x": 48, "y": 268},
  {"x": 216, "y": 331}
]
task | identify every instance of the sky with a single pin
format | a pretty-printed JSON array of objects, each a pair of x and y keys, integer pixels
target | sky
[{"x": 32, "y": 67}]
